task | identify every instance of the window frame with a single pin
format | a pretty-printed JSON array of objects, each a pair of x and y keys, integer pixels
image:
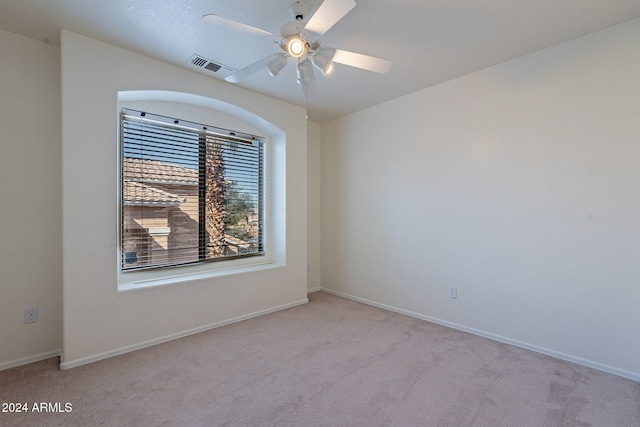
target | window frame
[{"x": 129, "y": 279}]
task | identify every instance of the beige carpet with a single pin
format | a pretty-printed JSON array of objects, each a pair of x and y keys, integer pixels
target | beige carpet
[{"x": 332, "y": 362}]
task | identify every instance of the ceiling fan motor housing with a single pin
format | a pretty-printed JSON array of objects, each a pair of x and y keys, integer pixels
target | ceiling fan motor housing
[{"x": 291, "y": 29}]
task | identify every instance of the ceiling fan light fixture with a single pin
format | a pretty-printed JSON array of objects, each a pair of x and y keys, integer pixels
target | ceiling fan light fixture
[
  {"x": 277, "y": 64},
  {"x": 296, "y": 47},
  {"x": 323, "y": 64}
]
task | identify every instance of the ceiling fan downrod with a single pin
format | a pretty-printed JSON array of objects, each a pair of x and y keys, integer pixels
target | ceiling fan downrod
[{"x": 298, "y": 10}]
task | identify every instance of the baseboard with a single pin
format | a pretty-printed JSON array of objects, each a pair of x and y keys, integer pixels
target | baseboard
[
  {"x": 312, "y": 290},
  {"x": 29, "y": 359},
  {"x": 83, "y": 361},
  {"x": 546, "y": 351}
]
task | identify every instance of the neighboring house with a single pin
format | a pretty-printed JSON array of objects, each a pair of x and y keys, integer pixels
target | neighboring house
[{"x": 160, "y": 215}]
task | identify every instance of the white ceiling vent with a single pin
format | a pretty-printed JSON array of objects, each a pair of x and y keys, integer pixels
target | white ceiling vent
[{"x": 200, "y": 62}]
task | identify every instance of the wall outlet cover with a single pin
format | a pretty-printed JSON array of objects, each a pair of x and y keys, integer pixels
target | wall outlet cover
[{"x": 31, "y": 315}]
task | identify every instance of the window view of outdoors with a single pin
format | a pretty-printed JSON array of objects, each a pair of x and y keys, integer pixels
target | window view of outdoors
[{"x": 188, "y": 194}]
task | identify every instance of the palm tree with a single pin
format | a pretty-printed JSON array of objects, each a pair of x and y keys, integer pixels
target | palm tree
[{"x": 216, "y": 214}]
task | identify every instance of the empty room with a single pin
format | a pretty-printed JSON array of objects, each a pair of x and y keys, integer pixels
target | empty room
[{"x": 320, "y": 213}]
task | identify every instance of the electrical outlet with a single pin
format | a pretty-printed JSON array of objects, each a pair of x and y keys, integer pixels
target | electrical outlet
[
  {"x": 453, "y": 292},
  {"x": 30, "y": 315}
]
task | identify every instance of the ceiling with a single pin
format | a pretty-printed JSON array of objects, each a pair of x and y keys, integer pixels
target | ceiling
[{"x": 428, "y": 41}]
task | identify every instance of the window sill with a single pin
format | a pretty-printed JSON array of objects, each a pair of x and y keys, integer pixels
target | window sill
[{"x": 134, "y": 281}]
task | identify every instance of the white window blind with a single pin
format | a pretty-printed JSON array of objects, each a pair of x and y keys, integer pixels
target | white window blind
[{"x": 190, "y": 193}]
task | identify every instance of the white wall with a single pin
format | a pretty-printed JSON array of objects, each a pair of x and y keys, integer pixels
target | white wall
[
  {"x": 314, "y": 137},
  {"x": 30, "y": 194},
  {"x": 519, "y": 184},
  {"x": 99, "y": 321}
]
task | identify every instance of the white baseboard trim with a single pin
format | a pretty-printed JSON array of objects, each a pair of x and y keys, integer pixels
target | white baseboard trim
[
  {"x": 29, "y": 359},
  {"x": 546, "y": 351},
  {"x": 90, "y": 359},
  {"x": 312, "y": 290}
]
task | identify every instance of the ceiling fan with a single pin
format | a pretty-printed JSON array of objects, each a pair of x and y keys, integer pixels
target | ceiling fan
[{"x": 300, "y": 42}]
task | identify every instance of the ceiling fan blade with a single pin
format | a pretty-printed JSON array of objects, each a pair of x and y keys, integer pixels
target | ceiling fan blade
[
  {"x": 328, "y": 14},
  {"x": 221, "y": 21},
  {"x": 250, "y": 69},
  {"x": 358, "y": 60}
]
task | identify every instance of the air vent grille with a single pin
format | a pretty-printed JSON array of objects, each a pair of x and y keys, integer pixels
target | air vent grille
[{"x": 200, "y": 62}]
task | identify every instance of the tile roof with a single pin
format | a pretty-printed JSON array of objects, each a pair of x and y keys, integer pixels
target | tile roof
[
  {"x": 139, "y": 173},
  {"x": 139, "y": 194},
  {"x": 154, "y": 171}
]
